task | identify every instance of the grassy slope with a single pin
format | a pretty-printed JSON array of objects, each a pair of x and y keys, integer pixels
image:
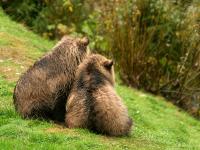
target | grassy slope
[{"x": 158, "y": 124}]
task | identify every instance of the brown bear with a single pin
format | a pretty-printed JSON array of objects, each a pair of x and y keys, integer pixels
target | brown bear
[
  {"x": 93, "y": 102},
  {"x": 42, "y": 90}
]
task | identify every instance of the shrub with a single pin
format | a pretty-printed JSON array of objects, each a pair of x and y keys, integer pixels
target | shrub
[
  {"x": 51, "y": 18},
  {"x": 156, "y": 45}
]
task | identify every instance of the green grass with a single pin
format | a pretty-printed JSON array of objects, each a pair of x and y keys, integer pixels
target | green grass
[{"x": 157, "y": 124}]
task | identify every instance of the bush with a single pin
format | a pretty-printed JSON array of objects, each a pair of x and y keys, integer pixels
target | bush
[
  {"x": 156, "y": 45},
  {"x": 51, "y": 18}
]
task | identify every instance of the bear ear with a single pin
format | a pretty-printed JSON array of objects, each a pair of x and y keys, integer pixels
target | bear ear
[
  {"x": 85, "y": 41},
  {"x": 108, "y": 64}
]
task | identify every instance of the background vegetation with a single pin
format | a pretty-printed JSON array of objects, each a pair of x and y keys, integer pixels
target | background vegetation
[{"x": 155, "y": 43}]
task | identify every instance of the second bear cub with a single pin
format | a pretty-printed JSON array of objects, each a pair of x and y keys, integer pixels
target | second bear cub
[{"x": 93, "y": 102}]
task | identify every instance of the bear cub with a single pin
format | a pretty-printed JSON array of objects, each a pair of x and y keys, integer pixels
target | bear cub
[
  {"x": 93, "y": 103},
  {"x": 41, "y": 92}
]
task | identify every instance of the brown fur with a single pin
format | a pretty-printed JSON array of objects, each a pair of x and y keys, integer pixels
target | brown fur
[
  {"x": 93, "y": 102},
  {"x": 41, "y": 92}
]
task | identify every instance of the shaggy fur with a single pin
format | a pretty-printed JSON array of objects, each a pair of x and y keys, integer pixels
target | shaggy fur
[
  {"x": 41, "y": 92},
  {"x": 93, "y": 102}
]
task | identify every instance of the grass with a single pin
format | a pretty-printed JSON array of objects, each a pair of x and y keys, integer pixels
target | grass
[{"x": 157, "y": 124}]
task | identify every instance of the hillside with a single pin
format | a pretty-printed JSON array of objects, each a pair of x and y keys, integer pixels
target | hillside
[{"x": 157, "y": 124}]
